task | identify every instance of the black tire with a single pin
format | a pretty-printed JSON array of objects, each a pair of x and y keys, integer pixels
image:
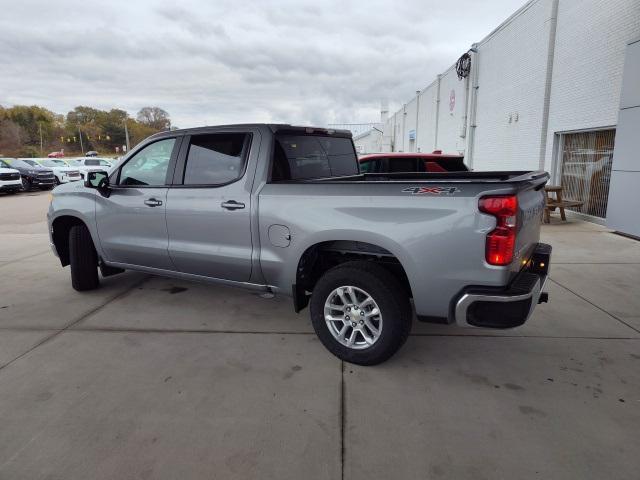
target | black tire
[
  {"x": 391, "y": 299},
  {"x": 83, "y": 259},
  {"x": 26, "y": 184}
]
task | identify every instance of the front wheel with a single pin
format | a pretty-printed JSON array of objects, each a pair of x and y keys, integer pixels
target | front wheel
[
  {"x": 360, "y": 312},
  {"x": 26, "y": 185},
  {"x": 83, "y": 259}
]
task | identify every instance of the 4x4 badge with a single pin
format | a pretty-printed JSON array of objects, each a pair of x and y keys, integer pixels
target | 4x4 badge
[{"x": 431, "y": 190}]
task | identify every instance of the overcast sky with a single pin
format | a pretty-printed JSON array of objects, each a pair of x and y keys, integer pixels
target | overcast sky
[{"x": 210, "y": 62}]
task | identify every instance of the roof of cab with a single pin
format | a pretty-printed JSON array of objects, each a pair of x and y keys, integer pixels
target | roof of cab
[{"x": 274, "y": 127}]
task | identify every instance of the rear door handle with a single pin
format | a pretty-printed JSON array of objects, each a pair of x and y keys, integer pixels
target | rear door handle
[
  {"x": 232, "y": 205},
  {"x": 153, "y": 202}
]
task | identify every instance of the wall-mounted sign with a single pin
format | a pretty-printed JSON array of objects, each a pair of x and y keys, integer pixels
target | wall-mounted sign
[
  {"x": 452, "y": 100},
  {"x": 412, "y": 134}
]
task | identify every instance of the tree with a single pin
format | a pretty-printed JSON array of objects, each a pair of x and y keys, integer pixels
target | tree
[
  {"x": 10, "y": 137},
  {"x": 154, "y": 117}
]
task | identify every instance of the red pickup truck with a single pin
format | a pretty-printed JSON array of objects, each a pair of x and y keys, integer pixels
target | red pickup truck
[{"x": 412, "y": 162}]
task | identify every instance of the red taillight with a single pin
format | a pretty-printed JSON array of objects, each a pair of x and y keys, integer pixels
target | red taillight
[{"x": 501, "y": 241}]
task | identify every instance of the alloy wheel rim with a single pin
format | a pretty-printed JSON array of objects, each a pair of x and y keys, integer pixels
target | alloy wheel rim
[{"x": 353, "y": 317}]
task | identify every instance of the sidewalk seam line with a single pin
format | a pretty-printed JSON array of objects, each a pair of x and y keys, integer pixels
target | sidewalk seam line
[
  {"x": 597, "y": 306},
  {"x": 278, "y": 332},
  {"x": 74, "y": 322},
  {"x": 17, "y": 260}
]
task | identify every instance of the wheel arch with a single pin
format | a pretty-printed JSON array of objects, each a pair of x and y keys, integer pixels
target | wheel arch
[
  {"x": 321, "y": 256},
  {"x": 60, "y": 228}
]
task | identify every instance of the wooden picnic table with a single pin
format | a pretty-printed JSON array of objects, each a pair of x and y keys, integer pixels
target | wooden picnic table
[{"x": 558, "y": 202}]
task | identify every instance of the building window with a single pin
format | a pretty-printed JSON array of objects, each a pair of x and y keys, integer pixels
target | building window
[{"x": 585, "y": 169}]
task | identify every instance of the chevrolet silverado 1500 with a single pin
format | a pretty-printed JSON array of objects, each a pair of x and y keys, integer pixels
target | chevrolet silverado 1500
[{"x": 285, "y": 209}]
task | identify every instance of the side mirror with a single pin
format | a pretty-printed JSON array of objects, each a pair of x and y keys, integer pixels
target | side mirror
[{"x": 98, "y": 180}]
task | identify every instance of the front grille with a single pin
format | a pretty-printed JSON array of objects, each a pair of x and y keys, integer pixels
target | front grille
[
  {"x": 45, "y": 176},
  {"x": 9, "y": 176},
  {"x": 73, "y": 174}
]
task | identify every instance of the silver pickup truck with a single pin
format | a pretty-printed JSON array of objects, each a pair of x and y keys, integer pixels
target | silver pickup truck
[{"x": 285, "y": 209}]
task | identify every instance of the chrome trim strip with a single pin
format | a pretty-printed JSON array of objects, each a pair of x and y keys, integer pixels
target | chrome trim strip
[{"x": 467, "y": 299}]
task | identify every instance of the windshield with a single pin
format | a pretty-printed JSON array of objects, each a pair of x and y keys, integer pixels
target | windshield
[
  {"x": 74, "y": 163},
  {"x": 53, "y": 163},
  {"x": 4, "y": 164},
  {"x": 32, "y": 163}
]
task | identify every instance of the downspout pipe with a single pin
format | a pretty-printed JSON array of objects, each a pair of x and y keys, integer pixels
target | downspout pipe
[
  {"x": 473, "y": 107},
  {"x": 404, "y": 125},
  {"x": 417, "y": 118},
  {"x": 544, "y": 131},
  {"x": 435, "y": 136}
]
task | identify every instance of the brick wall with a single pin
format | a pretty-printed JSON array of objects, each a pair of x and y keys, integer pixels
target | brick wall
[
  {"x": 584, "y": 92},
  {"x": 591, "y": 38}
]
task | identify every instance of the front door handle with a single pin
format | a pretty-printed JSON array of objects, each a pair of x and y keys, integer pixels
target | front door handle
[
  {"x": 232, "y": 205},
  {"x": 153, "y": 202}
]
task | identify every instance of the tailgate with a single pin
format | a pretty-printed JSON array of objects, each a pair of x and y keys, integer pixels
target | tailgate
[{"x": 529, "y": 220}]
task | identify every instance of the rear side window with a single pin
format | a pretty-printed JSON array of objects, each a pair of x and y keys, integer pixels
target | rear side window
[
  {"x": 402, "y": 164},
  {"x": 299, "y": 157},
  {"x": 92, "y": 163},
  {"x": 449, "y": 164},
  {"x": 215, "y": 159},
  {"x": 366, "y": 167}
]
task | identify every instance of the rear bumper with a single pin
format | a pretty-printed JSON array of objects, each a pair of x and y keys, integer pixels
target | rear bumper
[{"x": 508, "y": 307}]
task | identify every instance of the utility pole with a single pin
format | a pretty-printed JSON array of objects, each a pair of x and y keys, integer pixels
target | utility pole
[
  {"x": 80, "y": 135},
  {"x": 126, "y": 134},
  {"x": 40, "y": 128}
]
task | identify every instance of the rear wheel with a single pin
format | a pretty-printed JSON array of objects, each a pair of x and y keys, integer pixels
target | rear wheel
[
  {"x": 83, "y": 259},
  {"x": 360, "y": 312}
]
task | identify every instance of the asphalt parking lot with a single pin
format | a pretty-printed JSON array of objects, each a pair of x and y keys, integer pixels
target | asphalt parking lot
[{"x": 156, "y": 378}]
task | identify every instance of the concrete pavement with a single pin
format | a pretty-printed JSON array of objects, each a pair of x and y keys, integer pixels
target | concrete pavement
[{"x": 156, "y": 378}]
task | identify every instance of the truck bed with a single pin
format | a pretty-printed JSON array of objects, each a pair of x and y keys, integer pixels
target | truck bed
[{"x": 514, "y": 176}]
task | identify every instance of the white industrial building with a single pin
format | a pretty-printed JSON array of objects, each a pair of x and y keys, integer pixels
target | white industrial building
[{"x": 542, "y": 91}]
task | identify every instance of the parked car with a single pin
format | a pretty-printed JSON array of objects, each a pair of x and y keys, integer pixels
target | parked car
[
  {"x": 62, "y": 171},
  {"x": 89, "y": 164},
  {"x": 412, "y": 162},
  {"x": 33, "y": 175},
  {"x": 283, "y": 209},
  {"x": 56, "y": 155},
  {"x": 91, "y": 153},
  {"x": 10, "y": 181}
]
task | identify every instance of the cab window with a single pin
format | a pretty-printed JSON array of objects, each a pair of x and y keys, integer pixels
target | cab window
[
  {"x": 216, "y": 159},
  {"x": 149, "y": 166}
]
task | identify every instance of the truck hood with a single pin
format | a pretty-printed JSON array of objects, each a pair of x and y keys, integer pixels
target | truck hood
[{"x": 8, "y": 170}]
